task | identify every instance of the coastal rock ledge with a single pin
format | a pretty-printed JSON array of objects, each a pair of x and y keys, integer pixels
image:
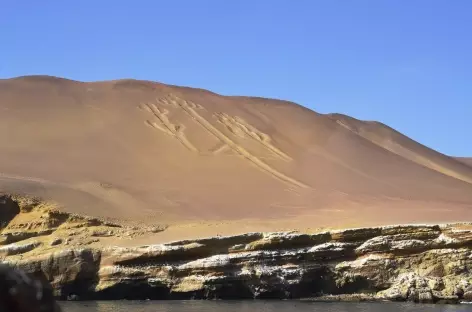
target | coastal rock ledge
[{"x": 420, "y": 263}]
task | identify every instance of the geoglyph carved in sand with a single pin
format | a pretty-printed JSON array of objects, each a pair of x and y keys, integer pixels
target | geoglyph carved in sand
[
  {"x": 241, "y": 128},
  {"x": 163, "y": 124},
  {"x": 236, "y": 125}
]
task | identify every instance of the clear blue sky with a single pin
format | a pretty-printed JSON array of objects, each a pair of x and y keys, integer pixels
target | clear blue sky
[{"x": 405, "y": 63}]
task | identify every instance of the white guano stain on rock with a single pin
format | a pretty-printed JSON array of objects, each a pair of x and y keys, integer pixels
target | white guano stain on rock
[{"x": 421, "y": 263}]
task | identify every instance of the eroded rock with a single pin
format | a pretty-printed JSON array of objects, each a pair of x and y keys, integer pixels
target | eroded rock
[{"x": 418, "y": 263}]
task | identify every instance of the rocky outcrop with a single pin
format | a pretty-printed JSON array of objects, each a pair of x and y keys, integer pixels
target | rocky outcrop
[{"x": 420, "y": 263}]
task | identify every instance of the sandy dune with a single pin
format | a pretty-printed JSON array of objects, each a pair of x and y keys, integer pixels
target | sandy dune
[
  {"x": 465, "y": 160},
  {"x": 205, "y": 163},
  {"x": 399, "y": 144}
]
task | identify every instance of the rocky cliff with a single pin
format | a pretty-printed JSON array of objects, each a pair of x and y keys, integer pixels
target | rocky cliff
[{"x": 421, "y": 263}]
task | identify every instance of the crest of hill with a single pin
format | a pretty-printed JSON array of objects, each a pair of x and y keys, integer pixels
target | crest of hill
[{"x": 392, "y": 140}]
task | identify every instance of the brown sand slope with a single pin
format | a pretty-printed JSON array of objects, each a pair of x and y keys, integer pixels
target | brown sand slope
[
  {"x": 399, "y": 144},
  {"x": 465, "y": 160},
  {"x": 151, "y": 152}
]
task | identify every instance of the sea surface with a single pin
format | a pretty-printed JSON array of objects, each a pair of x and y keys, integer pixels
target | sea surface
[{"x": 253, "y": 306}]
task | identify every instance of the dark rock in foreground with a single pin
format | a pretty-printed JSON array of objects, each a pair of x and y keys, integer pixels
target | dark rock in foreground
[{"x": 20, "y": 292}]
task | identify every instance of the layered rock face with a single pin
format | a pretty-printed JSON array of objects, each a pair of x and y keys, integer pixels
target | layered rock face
[{"x": 421, "y": 263}]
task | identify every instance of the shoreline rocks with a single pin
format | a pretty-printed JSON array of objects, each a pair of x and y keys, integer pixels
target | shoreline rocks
[
  {"x": 393, "y": 267},
  {"x": 417, "y": 263}
]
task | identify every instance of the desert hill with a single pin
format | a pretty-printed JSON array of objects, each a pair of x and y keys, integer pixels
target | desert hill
[
  {"x": 465, "y": 160},
  {"x": 397, "y": 143},
  {"x": 150, "y": 152}
]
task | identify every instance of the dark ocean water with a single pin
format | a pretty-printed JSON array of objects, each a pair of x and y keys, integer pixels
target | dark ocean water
[{"x": 253, "y": 306}]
